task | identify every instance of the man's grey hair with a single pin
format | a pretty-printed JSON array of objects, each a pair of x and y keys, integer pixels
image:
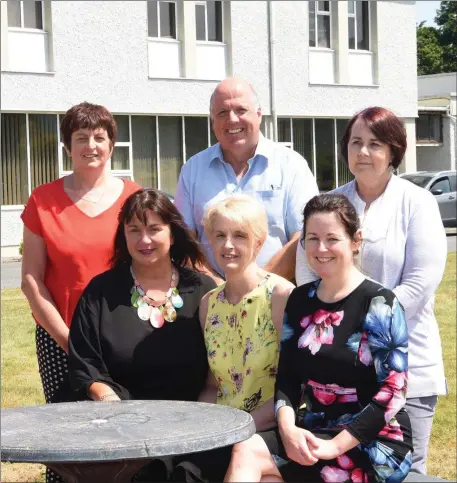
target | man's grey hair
[{"x": 252, "y": 94}]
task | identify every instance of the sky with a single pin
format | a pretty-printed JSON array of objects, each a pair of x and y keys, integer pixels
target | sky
[{"x": 426, "y": 10}]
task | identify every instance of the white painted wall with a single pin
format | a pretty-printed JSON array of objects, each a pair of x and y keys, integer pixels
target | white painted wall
[
  {"x": 321, "y": 66},
  {"x": 211, "y": 60},
  {"x": 11, "y": 232},
  {"x": 164, "y": 56},
  {"x": 27, "y": 50},
  {"x": 101, "y": 54},
  {"x": 437, "y": 84}
]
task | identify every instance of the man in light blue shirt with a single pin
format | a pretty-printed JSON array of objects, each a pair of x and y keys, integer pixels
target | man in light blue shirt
[{"x": 244, "y": 161}]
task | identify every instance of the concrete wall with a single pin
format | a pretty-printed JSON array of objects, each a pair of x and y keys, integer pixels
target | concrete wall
[
  {"x": 105, "y": 60},
  {"x": 437, "y": 84}
]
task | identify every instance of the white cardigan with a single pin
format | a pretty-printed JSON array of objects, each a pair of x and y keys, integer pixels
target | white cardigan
[{"x": 404, "y": 248}]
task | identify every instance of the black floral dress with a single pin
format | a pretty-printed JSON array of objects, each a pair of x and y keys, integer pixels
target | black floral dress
[{"x": 344, "y": 365}]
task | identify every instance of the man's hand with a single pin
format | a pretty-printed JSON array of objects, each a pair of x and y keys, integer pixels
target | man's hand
[{"x": 298, "y": 444}]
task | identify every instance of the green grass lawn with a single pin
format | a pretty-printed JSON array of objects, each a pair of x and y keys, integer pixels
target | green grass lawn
[{"x": 21, "y": 383}]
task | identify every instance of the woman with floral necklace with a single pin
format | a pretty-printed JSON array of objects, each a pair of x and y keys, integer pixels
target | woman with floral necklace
[
  {"x": 135, "y": 333},
  {"x": 345, "y": 343}
]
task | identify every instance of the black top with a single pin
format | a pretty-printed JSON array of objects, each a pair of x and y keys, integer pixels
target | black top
[
  {"x": 109, "y": 343},
  {"x": 351, "y": 356}
]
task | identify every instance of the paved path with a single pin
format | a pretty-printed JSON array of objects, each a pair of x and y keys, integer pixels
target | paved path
[
  {"x": 11, "y": 274},
  {"x": 11, "y": 271}
]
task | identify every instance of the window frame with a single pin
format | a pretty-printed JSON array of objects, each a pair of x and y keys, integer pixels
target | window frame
[
  {"x": 159, "y": 37},
  {"x": 354, "y": 16},
  {"x": 430, "y": 139},
  {"x": 322, "y": 13},
  {"x": 29, "y": 29},
  {"x": 206, "y": 41}
]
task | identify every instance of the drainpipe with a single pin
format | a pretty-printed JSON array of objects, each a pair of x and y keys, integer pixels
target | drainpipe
[{"x": 271, "y": 43}]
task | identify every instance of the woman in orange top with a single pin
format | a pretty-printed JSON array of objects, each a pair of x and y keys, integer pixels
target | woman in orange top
[{"x": 69, "y": 228}]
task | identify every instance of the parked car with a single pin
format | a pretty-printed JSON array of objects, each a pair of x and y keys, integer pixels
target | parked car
[{"x": 442, "y": 184}]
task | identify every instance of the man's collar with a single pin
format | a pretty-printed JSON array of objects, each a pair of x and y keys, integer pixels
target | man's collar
[{"x": 263, "y": 149}]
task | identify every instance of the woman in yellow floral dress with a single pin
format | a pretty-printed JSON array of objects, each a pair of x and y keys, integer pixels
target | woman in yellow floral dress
[{"x": 241, "y": 321}]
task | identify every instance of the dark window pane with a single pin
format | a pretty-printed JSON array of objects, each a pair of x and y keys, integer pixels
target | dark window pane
[
  {"x": 153, "y": 29},
  {"x": 351, "y": 33},
  {"x": 214, "y": 13},
  {"x": 362, "y": 26},
  {"x": 303, "y": 139},
  {"x": 453, "y": 181},
  {"x": 44, "y": 165},
  {"x": 422, "y": 128},
  {"x": 312, "y": 6},
  {"x": 144, "y": 150},
  {"x": 33, "y": 17},
  {"x": 14, "y": 159},
  {"x": 200, "y": 24},
  {"x": 170, "y": 145},
  {"x": 351, "y": 7},
  {"x": 323, "y": 6},
  {"x": 213, "y": 138},
  {"x": 167, "y": 20},
  {"x": 442, "y": 184},
  {"x": 325, "y": 154},
  {"x": 120, "y": 158},
  {"x": 196, "y": 130},
  {"x": 312, "y": 25},
  {"x": 435, "y": 128},
  {"x": 67, "y": 164},
  {"x": 284, "y": 135},
  {"x": 14, "y": 13},
  {"x": 323, "y": 31},
  {"x": 123, "y": 134},
  {"x": 344, "y": 175}
]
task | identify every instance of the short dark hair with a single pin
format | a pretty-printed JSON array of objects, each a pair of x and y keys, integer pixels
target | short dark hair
[
  {"x": 87, "y": 116},
  {"x": 185, "y": 247},
  {"x": 386, "y": 126},
  {"x": 333, "y": 203}
]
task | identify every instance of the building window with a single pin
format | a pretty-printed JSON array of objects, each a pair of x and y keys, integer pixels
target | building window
[
  {"x": 319, "y": 24},
  {"x": 44, "y": 164},
  {"x": 14, "y": 159},
  {"x": 429, "y": 128},
  {"x": 208, "y": 21},
  {"x": 170, "y": 152},
  {"x": 196, "y": 135},
  {"x": 144, "y": 152},
  {"x": 25, "y": 14},
  {"x": 317, "y": 141},
  {"x": 162, "y": 19},
  {"x": 359, "y": 25},
  {"x": 149, "y": 149}
]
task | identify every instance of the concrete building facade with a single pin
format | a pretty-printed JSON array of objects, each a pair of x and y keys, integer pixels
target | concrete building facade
[{"x": 154, "y": 65}]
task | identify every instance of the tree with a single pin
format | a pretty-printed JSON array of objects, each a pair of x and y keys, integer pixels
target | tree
[
  {"x": 446, "y": 19},
  {"x": 429, "y": 50}
]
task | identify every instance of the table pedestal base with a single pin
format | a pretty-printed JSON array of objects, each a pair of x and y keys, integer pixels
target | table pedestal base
[{"x": 97, "y": 472}]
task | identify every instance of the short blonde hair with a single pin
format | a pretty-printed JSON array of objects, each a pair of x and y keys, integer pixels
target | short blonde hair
[{"x": 241, "y": 209}]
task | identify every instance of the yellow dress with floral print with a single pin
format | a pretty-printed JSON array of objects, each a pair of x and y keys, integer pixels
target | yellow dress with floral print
[{"x": 243, "y": 346}]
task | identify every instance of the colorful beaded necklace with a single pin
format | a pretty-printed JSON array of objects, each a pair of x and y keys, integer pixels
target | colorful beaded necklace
[{"x": 157, "y": 312}]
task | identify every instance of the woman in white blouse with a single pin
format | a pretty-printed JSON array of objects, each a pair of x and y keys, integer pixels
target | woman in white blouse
[{"x": 404, "y": 248}]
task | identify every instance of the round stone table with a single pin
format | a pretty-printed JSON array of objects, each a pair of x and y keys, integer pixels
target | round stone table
[{"x": 110, "y": 441}]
